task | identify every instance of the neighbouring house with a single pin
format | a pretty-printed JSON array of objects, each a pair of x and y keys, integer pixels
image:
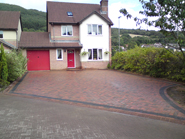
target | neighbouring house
[
  {"x": 72, "y": 29},
  {"x": 10, "y": 29}
]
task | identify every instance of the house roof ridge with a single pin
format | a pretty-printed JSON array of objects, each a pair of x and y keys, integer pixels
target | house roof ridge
[{"x": 95, "y": 12}]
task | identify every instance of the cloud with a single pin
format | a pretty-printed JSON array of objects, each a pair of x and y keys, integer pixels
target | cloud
[{"x": 125, "y": 23}]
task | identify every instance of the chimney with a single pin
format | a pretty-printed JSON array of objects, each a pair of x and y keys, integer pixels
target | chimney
[{"x": 104, "y": 7}]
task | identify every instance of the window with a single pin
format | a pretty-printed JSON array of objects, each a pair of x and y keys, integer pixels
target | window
[
  {"x": 69, "y": 13},
  {"x": 67, "y": 30},
  {"x": 94, "y": 29},
  {"x": 1, "y": 34},
  {"x": 95, "y": 54},
  {"x": 59, "y": 54}
]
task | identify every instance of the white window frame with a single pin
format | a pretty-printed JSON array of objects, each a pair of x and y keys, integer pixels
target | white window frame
[
  {"x": 67, "y": 30},
  {"x": 92, "y": 33},
  {"x": 97, "y": 54},
  {"x": 57, "y": 54},
  {"x": 1, "y": 32}
]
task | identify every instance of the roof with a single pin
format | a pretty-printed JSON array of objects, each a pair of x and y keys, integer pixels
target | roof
[
  {"x": 42, "y": 40},
  {"x": 7, "y": 44},
  {"x": 9, "y": 20},
  {"x": 57, "y": 12}
]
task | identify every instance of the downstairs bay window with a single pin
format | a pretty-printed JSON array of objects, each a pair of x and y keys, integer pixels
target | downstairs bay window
[{"x": 95, "y": 54}]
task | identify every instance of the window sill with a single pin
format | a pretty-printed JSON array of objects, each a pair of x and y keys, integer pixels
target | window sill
[
  {"x": 95, "y": 60},
  {"x": 95, "y": 35},
  {"x": 59, "y": 59},
  {"x": 67, "y": 35}
]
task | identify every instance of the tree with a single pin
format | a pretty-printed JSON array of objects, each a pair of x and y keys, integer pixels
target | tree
[
  {"x": 170, "y": 18},
  {"x": 116, "y": 49},
  {"x": 4, "y": 68},
  {"x": 132, "y": 45}
]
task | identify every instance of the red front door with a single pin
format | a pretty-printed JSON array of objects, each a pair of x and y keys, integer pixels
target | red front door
[{"x": 70, "y": 58}]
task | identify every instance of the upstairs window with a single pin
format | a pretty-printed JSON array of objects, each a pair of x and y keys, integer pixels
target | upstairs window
[
  {"x": 69, "y": 13},
  {"x": 94, "y": 29},
  {"x": 1, "y": 34},
  {"x": 67, "y": 30}
]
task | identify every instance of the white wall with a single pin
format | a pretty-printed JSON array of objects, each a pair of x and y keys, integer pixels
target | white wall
[
  {"x": 9, "y": 35},
  {"x": 96, "y": 41},
  {"x": 19, "y": 30}
]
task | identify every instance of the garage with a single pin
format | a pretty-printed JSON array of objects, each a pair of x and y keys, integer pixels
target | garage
[{"x": 38, "y": 60}]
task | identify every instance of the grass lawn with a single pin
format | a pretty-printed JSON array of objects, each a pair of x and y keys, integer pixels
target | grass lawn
[{"x": 177, "y": 94}]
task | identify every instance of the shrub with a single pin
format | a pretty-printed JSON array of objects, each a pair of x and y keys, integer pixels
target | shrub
[
  {"x": 16, "y": 64},
  {"x": 3, "y": 65},
  {"x": 108, "y": 66},
  {"x": 156, "y": 62},
  {"x": 3, "y": 84}
]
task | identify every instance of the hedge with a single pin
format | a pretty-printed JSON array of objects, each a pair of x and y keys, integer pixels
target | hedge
[{"x": 156, "y": 62}]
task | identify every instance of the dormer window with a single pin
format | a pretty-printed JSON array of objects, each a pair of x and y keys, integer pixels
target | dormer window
[
  {"x": 69, "y": 13},
  {"x": 1, "y": 34}
]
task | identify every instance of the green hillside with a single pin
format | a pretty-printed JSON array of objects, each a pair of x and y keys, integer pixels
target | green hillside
[
  {"x": 32, "y": 20},
  {"x": 138, "y": 37}
]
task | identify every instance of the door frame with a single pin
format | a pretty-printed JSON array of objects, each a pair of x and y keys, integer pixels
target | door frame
[{"x": 74, "y": 59}]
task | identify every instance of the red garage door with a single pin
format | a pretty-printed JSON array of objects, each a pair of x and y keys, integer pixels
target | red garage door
[{"x": 38, "y": 60}]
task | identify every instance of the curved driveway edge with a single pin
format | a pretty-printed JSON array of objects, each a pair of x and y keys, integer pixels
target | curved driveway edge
[{"x": 102, "y": 88}]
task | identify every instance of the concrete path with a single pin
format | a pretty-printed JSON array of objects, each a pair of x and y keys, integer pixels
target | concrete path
[
  {"x": 107, "y": 89},
  {"x": 24, "y": 118}
]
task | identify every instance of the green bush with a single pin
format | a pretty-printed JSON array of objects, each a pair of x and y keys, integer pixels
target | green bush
[
  {"x": 108, "y": 66},
  {"x": 156, "y": 62},
  {"x": 16, "y": 64},
  {"x": 3, "y": 65},
  {"x": 3, "y": 84}
]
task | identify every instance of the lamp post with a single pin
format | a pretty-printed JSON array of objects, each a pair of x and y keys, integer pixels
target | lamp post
[{"x": 119, "y": 30}]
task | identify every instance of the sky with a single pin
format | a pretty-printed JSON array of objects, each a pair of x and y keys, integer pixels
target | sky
[{"x": 132, "y": 6}]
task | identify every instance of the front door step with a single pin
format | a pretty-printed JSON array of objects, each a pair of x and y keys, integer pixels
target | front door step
[{"x": 74, "y": 69}]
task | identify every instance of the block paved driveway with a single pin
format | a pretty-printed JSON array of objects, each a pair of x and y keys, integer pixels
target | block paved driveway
[{"x": 102, "y": 88}]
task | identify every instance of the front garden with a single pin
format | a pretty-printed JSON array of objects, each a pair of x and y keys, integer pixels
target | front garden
[{"x": 12, "y": 66}]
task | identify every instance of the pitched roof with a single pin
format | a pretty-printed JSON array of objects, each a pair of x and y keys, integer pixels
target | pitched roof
[
  {"x": 57, "y": 12},
  {"x": 7, "y": 44},
  {"x": 9, "y": 20},
  {"x": 42, "y": 40}
]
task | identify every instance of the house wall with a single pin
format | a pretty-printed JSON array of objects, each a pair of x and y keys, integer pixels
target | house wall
[
  {"x": 10, "y": 37},
  {"x": 57, "y": 64},
  {"x": 96, "y": 41},
  {"x": 56, "y": 33},
  {"x": 19, "y": 31},
  {"x": 95, "y": 64},
  {"x": 24, "y": 53},
  {"x": 110, "y": 46},
  {"x": 63, "y": 64},
  {"x": 77, "y": 58}
]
